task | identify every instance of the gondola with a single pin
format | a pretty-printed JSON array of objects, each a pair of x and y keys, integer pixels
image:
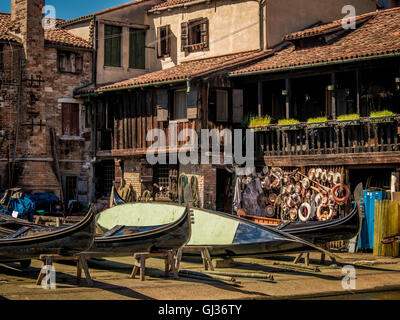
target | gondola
[
  {"x": 30, "y": 241},
  {"x": 316, "y": 232},
  {"x": 226, "y": 235},
  {"x": 124, "y": 231},
  {"x": 319, "y": 232}
]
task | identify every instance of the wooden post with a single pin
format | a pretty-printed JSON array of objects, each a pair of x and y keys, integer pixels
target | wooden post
[
  {"x": 260, "y": 98},
  {"x": 358, "y": 90},
  {"x": 288, "y": 96},
  {"x": 333, "y": 95}
]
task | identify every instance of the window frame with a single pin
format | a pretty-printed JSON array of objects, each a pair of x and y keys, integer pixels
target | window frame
[
  {"x": 175, "y": 118},
  {"x": 68, "y": 55},
  {"x": 161, "y": 40},
  {"x": 73, "y": 131},
  {"x": 108, "y": 60},
  {"x": 187, "y": 43}
]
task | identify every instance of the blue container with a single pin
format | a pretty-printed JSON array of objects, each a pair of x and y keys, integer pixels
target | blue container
[{"x": 367, "y": 231}]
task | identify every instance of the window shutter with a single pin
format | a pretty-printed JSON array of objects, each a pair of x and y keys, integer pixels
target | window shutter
[
  {"x": 74, "y": 119},
  {"x": 222, "y": 105},
  {"x": 137, "y": 52},
  {"x": 66, "y": 120},
  {"x": 184, "y": 36},
  {"x": 192, "y": 103},
  {"x": 237, "y": 106},
  {"x": 162, "y": 105},
  {"x": 204, "y": 33},
  {"x": 168, "y": 40},
  {"x": 62, "y": 62},
  {"x": 159, "y": 40},
  {"x": 78, "y": 63}
]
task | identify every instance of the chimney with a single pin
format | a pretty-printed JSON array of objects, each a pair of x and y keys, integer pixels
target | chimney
[
  {"x": 26, "y": 23},
  {"x": 34, "y": 143}
]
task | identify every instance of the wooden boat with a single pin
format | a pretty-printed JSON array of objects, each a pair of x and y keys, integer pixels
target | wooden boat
[
  {"x": 138, "y": 227},
  {"x": 319, "y": 232},
  {"x": 30, "y": 241},
  {"x": 316, "y": 232},
  {"x": 226, "y": 235}
]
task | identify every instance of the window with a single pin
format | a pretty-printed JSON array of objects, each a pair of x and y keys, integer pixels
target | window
[
  {"x": 71, "y": 62},
  {"x": 180, "y": 111},
  {"x": 222, "y": 105},
  {"x": 164, "y": 42},
  {"x": 112, "y": 46},
  {"x": 137, "y": 49},
  {"x": 70, "y": 188},
  {"x": 194, "y": 35},
  {"x": 70, "y": 119}
]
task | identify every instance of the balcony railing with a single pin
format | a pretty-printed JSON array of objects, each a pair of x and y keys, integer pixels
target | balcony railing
[{"x": 331, "y": 137}]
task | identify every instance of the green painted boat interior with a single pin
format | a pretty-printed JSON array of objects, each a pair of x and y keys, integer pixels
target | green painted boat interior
[{"x": 208, "y": 228}]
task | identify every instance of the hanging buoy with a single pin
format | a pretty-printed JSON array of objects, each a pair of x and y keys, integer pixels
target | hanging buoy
[
  {"x": 305, "y": 212},
  {"x": 323, "y": 215},
  {"x": 335, "y": 195}
]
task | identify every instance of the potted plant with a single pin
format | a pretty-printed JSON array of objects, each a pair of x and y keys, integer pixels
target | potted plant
[
  {"x": 381, "y": 116},
  {"x": 259, "y": 122}
]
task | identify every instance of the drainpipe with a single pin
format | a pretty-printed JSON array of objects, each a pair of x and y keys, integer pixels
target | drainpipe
[{"x": 261, "y": 23}]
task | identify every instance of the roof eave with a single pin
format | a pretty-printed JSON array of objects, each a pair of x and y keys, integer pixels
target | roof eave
[{"x": 314, "y": 65}]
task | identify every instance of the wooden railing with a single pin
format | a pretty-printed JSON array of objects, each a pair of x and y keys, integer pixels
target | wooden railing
[{"x": 332, "y": 137}]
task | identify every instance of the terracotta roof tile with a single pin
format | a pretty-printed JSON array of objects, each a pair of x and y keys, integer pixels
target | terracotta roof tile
[
  {"x": 378, "y": 36},
  {"x": 169, "y": 3},
  {"x": 326, "y": 28},
  {"x": 57, "y": 36},
  {"x": 188, "y": 70}
]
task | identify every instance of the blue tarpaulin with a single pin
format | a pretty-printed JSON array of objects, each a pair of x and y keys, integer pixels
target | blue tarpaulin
[{"x": 24, "y": 206}]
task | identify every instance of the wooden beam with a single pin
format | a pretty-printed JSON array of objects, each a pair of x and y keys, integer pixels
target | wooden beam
[
  {"x": 333, "y": 95},
  {"x": 358, "y": 90},
  {"x": 260, "y": 98},
  {"x": 288, "y": 97}
]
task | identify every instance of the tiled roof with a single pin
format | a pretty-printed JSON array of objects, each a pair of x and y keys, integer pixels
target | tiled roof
[
  {"x": 4, "y": 20},
  {"x": 326, "y": 28},
  {"x": 378, "y": 36},
  {"x": 66, "y": 38},
  {"x": 169, "y": 3},
  {"x": 188, "y": 70},
  {"x": 56, "y": 36},
  {"x": 89, "y": 16}
]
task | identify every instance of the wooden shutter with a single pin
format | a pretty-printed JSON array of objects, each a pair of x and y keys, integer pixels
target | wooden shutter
[
  {"x": 112, "y": 46},
  {"x": 237, "y": 116},
  {"x": 78, "y": 63},
  {"x": 184, "y": 36},
  {"x": 162, "y": 105},
  {"x": 168, "y": 40},
  {"x": 192, "y": 103},
  {"x": 222, "y": 105},
  {"x": 62, "y": 62},
  {"x": 204, "y": 33},
  {"x": 137, "y": 52},
  {"x": 159, "y": 41},
  {"x": 212, "y": 105},
  {"x": 70, "y": 119}
]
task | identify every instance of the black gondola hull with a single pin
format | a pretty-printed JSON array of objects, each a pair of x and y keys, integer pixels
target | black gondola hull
[
  {"x": 159, "y": 240},
  {"x": 62, "y": 241}
]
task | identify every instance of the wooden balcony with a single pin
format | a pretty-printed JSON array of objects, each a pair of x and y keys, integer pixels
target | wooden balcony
[{"x": 366, "y": 140}]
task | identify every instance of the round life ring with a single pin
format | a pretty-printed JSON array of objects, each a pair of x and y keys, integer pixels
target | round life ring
[
  {"x": 336, "y": 197},
  {"x": 326, "y": 215},
  {"x": 305, "y": 207},
  {"x": 276, "y": 183},
  {"x": 293, "y": 214}
]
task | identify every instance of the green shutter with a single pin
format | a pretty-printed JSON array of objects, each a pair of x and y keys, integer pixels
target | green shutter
[
  {"x": 112, "y": 46},
  {"x": 137, "y": 50}
]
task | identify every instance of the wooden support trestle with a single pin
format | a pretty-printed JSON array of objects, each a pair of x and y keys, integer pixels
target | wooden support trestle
[
  {"x": 81, "y": 263},
  {"x": 172, "y": 261}
]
